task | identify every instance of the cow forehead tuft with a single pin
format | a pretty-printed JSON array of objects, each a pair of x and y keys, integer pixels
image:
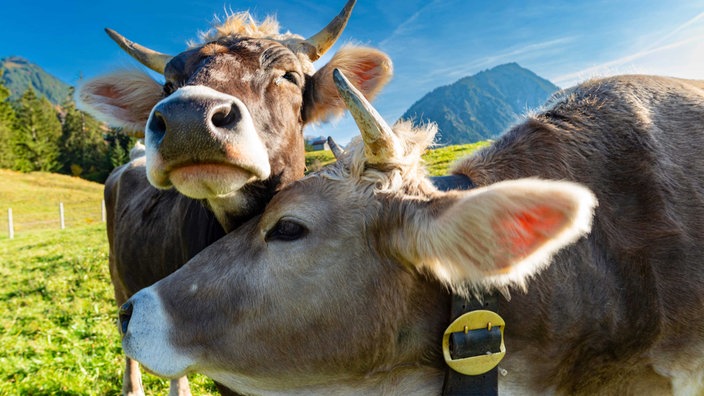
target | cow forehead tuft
[{"x": 243, "y": 24}]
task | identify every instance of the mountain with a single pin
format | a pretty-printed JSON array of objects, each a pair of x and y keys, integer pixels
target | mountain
[
  {"x": 481, "y": 106},
  {"x": 19, "y": 74}
]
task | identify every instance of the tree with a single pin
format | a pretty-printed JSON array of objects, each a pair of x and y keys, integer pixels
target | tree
[
  {"x": 84, "y": 150},
  {"x": 35, "y": 139},
  {"x": 7, "y": 122},
  {"x": 120, "y": 146}
]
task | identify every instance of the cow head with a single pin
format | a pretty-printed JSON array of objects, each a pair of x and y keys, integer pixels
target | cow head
[
  {"x": 226, "y": 124},
  {"x": 341, "y": 285}
]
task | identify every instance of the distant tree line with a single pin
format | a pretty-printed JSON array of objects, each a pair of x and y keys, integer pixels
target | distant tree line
[{"x": 36, "y": 135}]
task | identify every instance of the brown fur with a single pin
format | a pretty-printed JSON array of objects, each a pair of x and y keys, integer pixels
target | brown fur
[
  {"x": 153, "y": 232},
  {"x": 342, "y": 308},
  {"x": 620, "y": 298}
]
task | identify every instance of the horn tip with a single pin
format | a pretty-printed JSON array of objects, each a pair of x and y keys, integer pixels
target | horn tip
[
  {"x": 323, "y": 40},
  {"x": 343, "y": 84},
  {"x": 350, "y": 4},
  {"x": 115, "y": 36},
  {"x": 337, "y": 151},
  {"x": 339, "y": 78}
]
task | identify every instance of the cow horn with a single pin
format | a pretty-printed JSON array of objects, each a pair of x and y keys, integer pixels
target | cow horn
[
  {"x": 380, "y": 142},
  {"x": 337, "y": 151},
  {"x": 322, "y": 41},
  {"x": 149, "y": 58}
]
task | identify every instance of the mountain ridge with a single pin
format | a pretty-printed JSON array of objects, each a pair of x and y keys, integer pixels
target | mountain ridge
[
  {"x": 20, "y": 74},
  {"x": 481, "y": 106}
]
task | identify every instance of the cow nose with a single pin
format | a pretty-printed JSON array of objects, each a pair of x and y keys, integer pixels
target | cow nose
[
  {"x": 157, "y": 124},
  {"x": 225, "y": 116},
  {"x": 197, "y": 122},
  {"x": 124, "y": 317},
  {"x": 167, "y": 116}
]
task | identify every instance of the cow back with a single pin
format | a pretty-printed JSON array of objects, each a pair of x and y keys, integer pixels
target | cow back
[{"x": 632, "y": 287}]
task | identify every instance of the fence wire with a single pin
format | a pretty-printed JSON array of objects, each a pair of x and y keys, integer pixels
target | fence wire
[{"x": 76, "y": 214}]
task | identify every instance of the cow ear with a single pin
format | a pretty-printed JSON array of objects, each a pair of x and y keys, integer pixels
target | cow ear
[
  {"x": 499, "y": 235},
  {"x": 122, "y": 99},
  {"x": 368, "y": 69}
]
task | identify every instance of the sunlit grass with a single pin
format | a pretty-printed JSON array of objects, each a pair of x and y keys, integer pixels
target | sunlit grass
[
  {"x": 34, "y": 199},
  {"x": 318, "y": 159},
  {"x": 58, "y": 333},
  {"x": 438, "y": 160}
]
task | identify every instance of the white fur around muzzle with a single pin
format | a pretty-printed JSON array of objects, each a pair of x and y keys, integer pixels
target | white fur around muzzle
[{"x": 147, "y": 337}]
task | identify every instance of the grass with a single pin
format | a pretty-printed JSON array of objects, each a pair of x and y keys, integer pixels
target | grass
[
  {"x": 58, "y": 333},
  {"x": 438, "y": 160},
  {"x": 35, "y": 197},
  {"x": 318, "y": 159},
  {"x": 57, "y": 313}
]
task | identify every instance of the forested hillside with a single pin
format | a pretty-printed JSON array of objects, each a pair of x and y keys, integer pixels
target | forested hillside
[
  {"x": 38, "y": 135},
  {"x": 19, "y": 75}
]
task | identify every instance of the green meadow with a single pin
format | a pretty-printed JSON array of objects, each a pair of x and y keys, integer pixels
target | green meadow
[
  {"x": 438, "y": 160},
  {"x": 58, "y": 333}
]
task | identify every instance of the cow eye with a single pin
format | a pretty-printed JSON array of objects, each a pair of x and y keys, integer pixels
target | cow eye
[
  {"x": 286, "y": 230},
  {"x": 168, "y": 88},
  {"x": 291, "y": 77}
]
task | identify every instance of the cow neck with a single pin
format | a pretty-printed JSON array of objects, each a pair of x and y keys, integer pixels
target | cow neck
[{"x": 461, "y": 344}]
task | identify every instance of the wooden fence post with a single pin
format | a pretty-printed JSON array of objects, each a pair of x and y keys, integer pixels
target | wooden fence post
[
  {"x": 11, "y": 226},
  {"x": 102, "y": 211},
  {"x": 61, "y": 215}
]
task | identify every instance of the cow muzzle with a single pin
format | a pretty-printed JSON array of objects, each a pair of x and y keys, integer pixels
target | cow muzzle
[
  {"x": 204, "y": 143},
  {"x": 146, "y": 330}
]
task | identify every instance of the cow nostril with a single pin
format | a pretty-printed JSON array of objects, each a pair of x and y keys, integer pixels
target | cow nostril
[
  {"x": 157, "y": 124},
  {"x": 226, "y": 116},
  {"x": 124, "y": 317}
]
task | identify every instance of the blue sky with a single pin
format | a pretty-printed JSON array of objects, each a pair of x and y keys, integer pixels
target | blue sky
[{"x": 432, "y": 43}]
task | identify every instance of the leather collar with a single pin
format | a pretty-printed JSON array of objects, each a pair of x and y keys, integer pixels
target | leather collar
[{"x": 472, "y": 343}]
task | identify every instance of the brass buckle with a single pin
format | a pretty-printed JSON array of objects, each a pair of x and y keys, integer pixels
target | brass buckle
[{"x": 474, "y": 320}]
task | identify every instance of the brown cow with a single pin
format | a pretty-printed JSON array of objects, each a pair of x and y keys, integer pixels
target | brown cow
[
  {"x": 341, "y": 285},
  {"x": 225, "y": 129}
]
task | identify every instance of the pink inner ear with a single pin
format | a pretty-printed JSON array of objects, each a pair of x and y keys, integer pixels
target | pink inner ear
[
  {"x": 111, "y": 92},
  {"x": 364, "y": 73},
  {"x": 522, "y": 233},
  {"x": 108, "y": 91}
]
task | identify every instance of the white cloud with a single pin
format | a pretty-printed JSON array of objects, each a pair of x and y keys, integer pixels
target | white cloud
[
  {"x": 677, "y": 30},
  {"x": 683, "y": 58},
  {"x": 408, "y": 27},
  {"x": 513, "y": 54},
  {"x": 678, "y": 53}
]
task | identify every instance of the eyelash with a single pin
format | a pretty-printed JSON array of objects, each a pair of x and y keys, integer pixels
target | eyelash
[
  {"x": 286, "y": 230},
  {"x": 168, "y": 88},
  {"x": 288, "y": 76}
]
